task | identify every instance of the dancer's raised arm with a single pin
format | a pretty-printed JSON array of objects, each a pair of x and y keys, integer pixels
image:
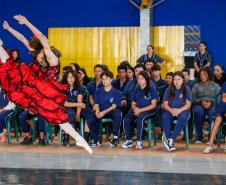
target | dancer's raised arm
[
  {"x": 18, "y": 35},
  {"x": 51, "y": 57}
]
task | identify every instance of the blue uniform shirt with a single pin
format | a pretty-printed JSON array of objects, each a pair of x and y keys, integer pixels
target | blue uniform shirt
[
  {"x": 3, "y": 100},
  {"x": 177, "y": 101},
  {"x": 130, "y": 89},
  {"x": 106, "y": 99},
  {"x": 72, "y": 95},
  {"x": 221, "y": 107},
  {"x": 143, "y": 100},
  {"x": 92, "y": 87},
  {"x": 223, "y": 88},
  {"x": 116, "y": 85}
]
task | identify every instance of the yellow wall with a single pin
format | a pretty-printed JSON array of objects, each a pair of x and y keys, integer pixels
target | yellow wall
[{"x": 90, "y": 46}]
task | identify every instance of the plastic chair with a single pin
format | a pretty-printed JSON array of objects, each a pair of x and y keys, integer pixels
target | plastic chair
[
  {"x": 151, "y": 125},
  {"x": 48, "y": 133},
  {"x": 187, "y": 146},
  {"x": 34, "y": 128},
  {"x": 219, "y": 134},
  {"x": 102, "y": 121},
  {"x": 12, "y": 118}
]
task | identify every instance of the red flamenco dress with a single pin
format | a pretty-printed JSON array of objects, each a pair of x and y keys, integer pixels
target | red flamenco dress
[{"x": 36, "y": 91}]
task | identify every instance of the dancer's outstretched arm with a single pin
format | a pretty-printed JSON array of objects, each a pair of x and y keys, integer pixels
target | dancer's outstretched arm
[
  {"x": 51, "y": 57},
  {"x": 18, "y": 35}
]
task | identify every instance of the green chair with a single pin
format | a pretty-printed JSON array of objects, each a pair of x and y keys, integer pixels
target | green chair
[
  {"x": 12, "y": 118},
  {"x": 34, "y": 128},
  {"x": 102, "y": 121},
  {"x": 219, "y": 134},
  {"x": 151, "y": 125},
  {"x": 187, "y": 146},
  {"x": 49, "y": 133}
]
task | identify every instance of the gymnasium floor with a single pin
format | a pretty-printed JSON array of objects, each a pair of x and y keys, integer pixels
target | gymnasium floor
[{"x": 55, "y": 164}]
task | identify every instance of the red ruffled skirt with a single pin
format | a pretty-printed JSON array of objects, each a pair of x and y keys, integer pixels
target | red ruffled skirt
[{"x": 44, "y": 98}]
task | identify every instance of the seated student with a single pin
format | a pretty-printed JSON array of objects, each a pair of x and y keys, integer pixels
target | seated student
[
  {"x": 148, "y": 65},
  {"x": 64, "y": 70},
  {"x": 189, "y": 82},
  {"x": 156, "y": 76},
  {"x": 74, "y": 95},
  {"x": 121, "y": 80},
  {"x": 143, "y": 104},
  {"x": 219, "y": 75},
  {"x": 75, "y": 105},
  {"x": 125, "y": 63},
  {"x": 220, "y": 117},
  {"x": 130, "y": 74},
  {"x": 176, "y": 104},
  {"x": 161, "y": 86},
  {"x": 204, "y": 100},
  {"x": 83, "y": 77},
  {"x": 96, "y": 83},
  {"x": 129, "y": 90},
  {"x": 6, "y": 109},
  {"x": 24, "y": 118},
  {"x": 106, "y": 104},
  {"x": 150, "y": 55},
  {"x": 169, "y": 78},
  {"x": 74, "y": 66}
]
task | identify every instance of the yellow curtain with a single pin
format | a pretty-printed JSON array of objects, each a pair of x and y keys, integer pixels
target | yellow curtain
[
  {"x": 111, "y": 45},
  {"x": 169, "y": 44},
  {"x": 91, "y": 46}
]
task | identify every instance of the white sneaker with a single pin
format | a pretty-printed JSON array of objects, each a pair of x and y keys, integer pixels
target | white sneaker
[
  {"x": 208, "y": 150},
  {"x": 225, "y": 148},
  {"x": 127, "y": 144},
  {"x": 139, "y": 145}
]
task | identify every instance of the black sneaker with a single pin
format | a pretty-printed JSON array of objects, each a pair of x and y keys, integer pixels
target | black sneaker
[
  {"x": 114, "y": 142},
  {"x": 172, "y": 147},
  {"x": 42, "y": 141},
  {"x": 66, "y": 140},
  {"x": 87, "y": 136},
  {"x": 199, "y": 140},
  {"x": 95, "y": 144},
  {"x": 26, "y": 141},
  {"x": 169, "y": 145}
]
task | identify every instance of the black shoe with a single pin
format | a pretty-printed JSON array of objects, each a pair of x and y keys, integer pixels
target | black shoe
[
  {"x": 42, "y": 142},
  {"x": 199, "y": 139},
  {"x": 87, "y": 136},
  {"x": 95, "y": 144},
  {"x": 26, "y": 141},
  {"x": 144, "y": 135},
  {"x": 114, "y": 142},
  {"x": 66, "y": 140},
  {"x": 169, "y": 145}
]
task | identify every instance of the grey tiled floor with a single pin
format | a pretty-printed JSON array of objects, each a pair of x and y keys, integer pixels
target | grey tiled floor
[{"x": 161, "y": 164}]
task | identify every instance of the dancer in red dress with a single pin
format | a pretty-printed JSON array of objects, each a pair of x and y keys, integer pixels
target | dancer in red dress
[{"x": 35, "y": 88}]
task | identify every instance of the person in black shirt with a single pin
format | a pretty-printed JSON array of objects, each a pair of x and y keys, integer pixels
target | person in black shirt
[
  {"x": 202, "y": 58},
  {"x": 150, "y": 55},
  {"x": 122, "y": 80}
]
